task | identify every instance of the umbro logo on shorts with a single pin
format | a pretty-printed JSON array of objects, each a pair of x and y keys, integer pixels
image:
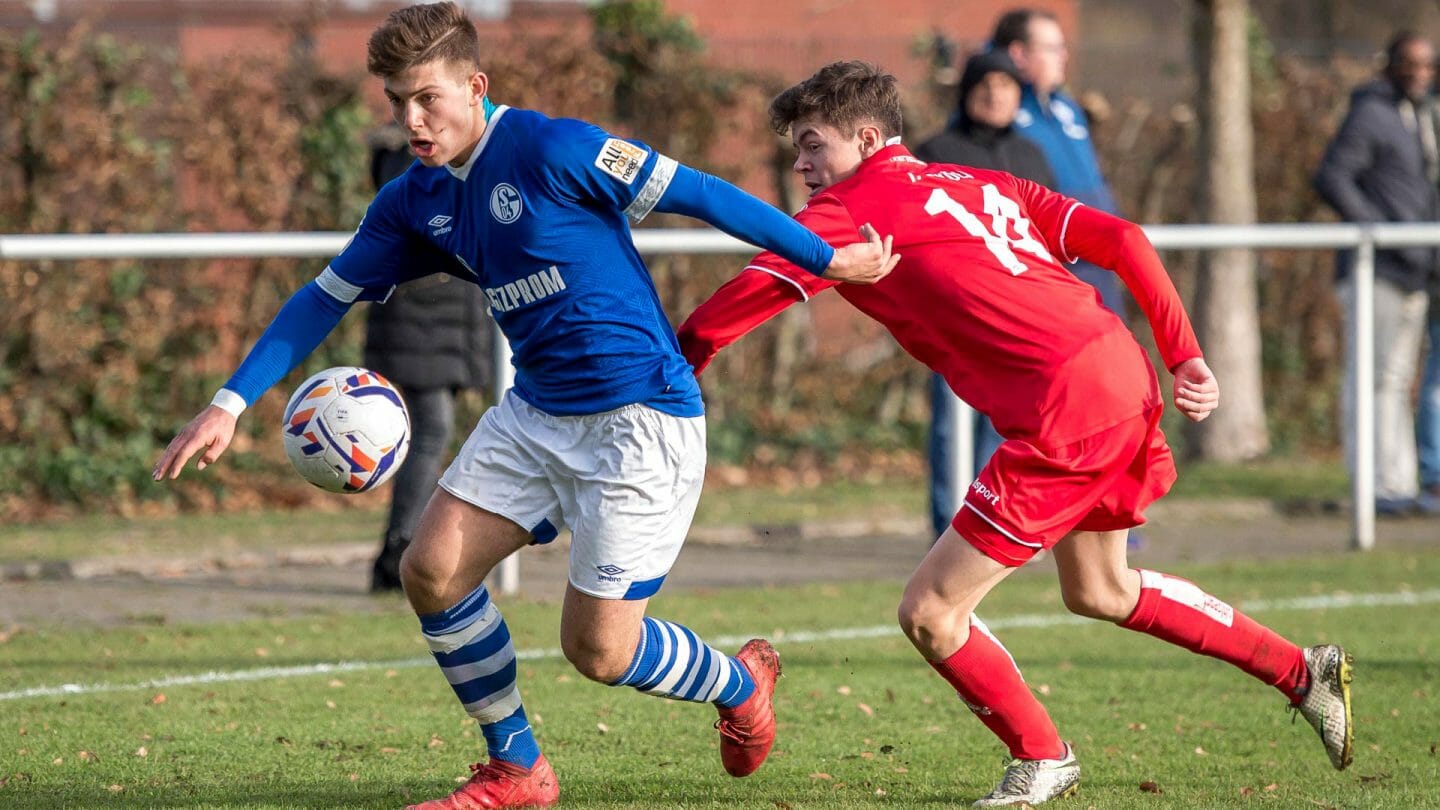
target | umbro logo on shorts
[{"x": 610, "y": 570}]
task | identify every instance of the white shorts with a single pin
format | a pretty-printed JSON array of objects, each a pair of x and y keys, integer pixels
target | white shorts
[{"x": 626, "y": 483}]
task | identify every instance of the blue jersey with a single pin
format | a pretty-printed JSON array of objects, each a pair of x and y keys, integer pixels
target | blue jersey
[{"x": 538, "y": 218}]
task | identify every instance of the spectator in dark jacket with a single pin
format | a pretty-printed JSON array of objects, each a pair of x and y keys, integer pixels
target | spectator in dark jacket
[
  {"x": 1382, "y": 166},
  {"x": 432, "y": 339},
  {"x": 981, "y": 134}
]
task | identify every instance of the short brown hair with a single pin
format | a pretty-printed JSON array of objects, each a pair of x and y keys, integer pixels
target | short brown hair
[
  {"x": 418, "y": 35},
  {"x": 844, "y": 95}
]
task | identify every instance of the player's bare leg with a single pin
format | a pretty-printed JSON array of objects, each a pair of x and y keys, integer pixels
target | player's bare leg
[
  {"x": 1097, "y": 581},
  {"x": 937, "y": 614},
  {"x": 443, "y": 571}
]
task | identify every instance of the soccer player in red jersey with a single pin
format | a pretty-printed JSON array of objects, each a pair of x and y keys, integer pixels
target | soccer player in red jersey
[{"x": 980, "y": 297}]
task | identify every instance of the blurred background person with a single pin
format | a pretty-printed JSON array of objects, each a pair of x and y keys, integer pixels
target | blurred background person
[
  {"x": 1427, "y": 419},
  {"x": 982, "y": 134},
  {"x": 1055, "y": 122},
  {"x": 432, "y": 339},
  {"x": 1382, "y": 166}
]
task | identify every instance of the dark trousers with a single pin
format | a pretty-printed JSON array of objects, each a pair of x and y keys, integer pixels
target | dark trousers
[{"x": 432, "y": 423}]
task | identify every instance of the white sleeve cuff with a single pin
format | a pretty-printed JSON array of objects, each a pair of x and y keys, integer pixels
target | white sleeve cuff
[{"x": 230, "y": 402}]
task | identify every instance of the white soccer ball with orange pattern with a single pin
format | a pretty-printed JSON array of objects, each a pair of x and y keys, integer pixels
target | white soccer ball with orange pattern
[{"x": 346, "y": 429}]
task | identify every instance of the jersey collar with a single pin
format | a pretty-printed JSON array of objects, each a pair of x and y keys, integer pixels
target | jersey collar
[
  {"x": 892, "y": 154},
  {"x": 491, "y": 120}
]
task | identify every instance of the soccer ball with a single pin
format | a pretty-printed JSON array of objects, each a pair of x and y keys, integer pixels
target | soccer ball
[{"x": 346, "y": 430}]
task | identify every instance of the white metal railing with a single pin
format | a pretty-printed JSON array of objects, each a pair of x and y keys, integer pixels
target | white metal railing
[{"x": 1306, "y": 236}]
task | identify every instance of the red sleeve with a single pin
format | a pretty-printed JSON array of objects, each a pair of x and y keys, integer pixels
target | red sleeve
[
  {"x": 741, "y": 304},
  {"x": 1122, "y": 246},
  {"x": 828, "y": 218},
  {"x": 766, "y": 287}
]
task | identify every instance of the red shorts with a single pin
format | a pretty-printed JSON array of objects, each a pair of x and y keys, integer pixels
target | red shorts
[{"x": 1027, "y": 499}]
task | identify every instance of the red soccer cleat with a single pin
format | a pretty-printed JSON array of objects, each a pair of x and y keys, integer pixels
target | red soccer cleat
[
  {"x": 498, "y": 784},
  {"x": 748, "y": 730}
]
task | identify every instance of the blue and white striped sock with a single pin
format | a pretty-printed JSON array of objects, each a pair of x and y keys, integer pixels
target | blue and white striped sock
[
  {"x": 671, "y": 661},
  {"x": 472, "y": 645}
]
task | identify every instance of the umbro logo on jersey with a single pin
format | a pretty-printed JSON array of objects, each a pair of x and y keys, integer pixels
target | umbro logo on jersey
[
  {"x": 440, "y": 223},
  {"x": 506, "y": 204}
]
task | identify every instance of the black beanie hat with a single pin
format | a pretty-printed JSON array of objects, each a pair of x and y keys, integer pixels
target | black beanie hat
[{"x": 982, "y": 64}]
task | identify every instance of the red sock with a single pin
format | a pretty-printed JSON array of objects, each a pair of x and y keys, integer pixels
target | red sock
[
  {"x": 1177, "y": 611},
  {"x": 986, "y": 678}
]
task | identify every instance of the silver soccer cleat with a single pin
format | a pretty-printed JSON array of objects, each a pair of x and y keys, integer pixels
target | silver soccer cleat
[
  {"x": 1327, "y": 705},
  {"x": 1032, "y": 781}
]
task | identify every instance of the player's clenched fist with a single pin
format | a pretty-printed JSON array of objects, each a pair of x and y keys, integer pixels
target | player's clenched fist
[
  {"x": 1197, "y": 393},
  {"x": 211, "y": 430}
]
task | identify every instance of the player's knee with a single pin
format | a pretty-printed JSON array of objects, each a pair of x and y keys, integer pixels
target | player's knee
[
  {"x": 419, "y": 580},
  {"x": 594, "y": 660},
  {"x": 1095, "y": 601},
  {"x": 924, "y": 616}
]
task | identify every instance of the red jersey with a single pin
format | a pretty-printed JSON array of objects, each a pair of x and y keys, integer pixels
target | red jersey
[{"x": 980, "y": 295}]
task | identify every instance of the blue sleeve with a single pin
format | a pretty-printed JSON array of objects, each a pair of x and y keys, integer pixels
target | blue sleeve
[
  {"x": 708, "y": 198},
  {"x": 298, "y": 328},
  {"x": 381, "y": 254},
  {"x": 583, "y": 162}
]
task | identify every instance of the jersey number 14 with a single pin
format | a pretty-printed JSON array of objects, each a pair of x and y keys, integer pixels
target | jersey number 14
[{"x": 1004, "y": 214}]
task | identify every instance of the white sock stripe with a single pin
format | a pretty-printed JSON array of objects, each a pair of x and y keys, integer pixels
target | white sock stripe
[
  {"x": 662, "y": 659},
  {"x": 483, "y": 625},
  {"x": 700, "y": 666},
  {"x": 1184, "y": 592},
  {"x": 977, "y": 624},
  {"x": 464, "y": 673},
  {"x": 511, "y": 737},
  {"x": 714, "y": 679},
  {"x": 678, "y": 664},
  {"x": 495, "y": 707}
]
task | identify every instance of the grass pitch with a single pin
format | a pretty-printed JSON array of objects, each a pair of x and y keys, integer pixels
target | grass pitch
[{"x": 247, "y": 722}]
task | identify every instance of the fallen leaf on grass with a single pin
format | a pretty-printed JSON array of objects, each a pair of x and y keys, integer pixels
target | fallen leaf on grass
[
  {"x": 1150, "y": 787},
  {"x": 1200, "y": 751},
  {"x": 602, "y": 728},
  {"x": 115, "y": 788},
  {"x": 844, "y": 690},
  {"x": 818, "y": 775},
  {"x": 87, "y": 756},
  {"x": 158, "y": 699},
  {"x": 869, "y": 712},
  {"x": 142, "y": 751}
]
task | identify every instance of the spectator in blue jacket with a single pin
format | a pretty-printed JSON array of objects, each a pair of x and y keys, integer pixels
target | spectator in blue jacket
[{"x": 1055, "y": 122}]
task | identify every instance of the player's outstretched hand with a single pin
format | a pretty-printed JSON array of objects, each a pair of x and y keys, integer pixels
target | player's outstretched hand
[
  {"x": 863, "y": 262},
  {"x": 211, "y": 431},
  {"x": 1197, "y": 393}
]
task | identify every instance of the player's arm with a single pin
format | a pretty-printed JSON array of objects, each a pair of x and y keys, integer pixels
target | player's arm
[
  {"x": 733, "y": 311},
  {"x": 1076, "y": 231},
  {"x": 1122, "y": 246},
  {"x": 762, "y": 290},
  {"x": 734, "y": 211},
  {"x": 300, "y": 325},
  {"x": 583, "y": 162}
]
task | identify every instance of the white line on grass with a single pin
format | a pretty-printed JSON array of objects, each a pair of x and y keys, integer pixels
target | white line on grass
[{"x": 1034, "y": 620}]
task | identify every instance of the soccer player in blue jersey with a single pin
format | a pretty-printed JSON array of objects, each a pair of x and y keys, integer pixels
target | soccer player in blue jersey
[{"x": 604, "y": 430}]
